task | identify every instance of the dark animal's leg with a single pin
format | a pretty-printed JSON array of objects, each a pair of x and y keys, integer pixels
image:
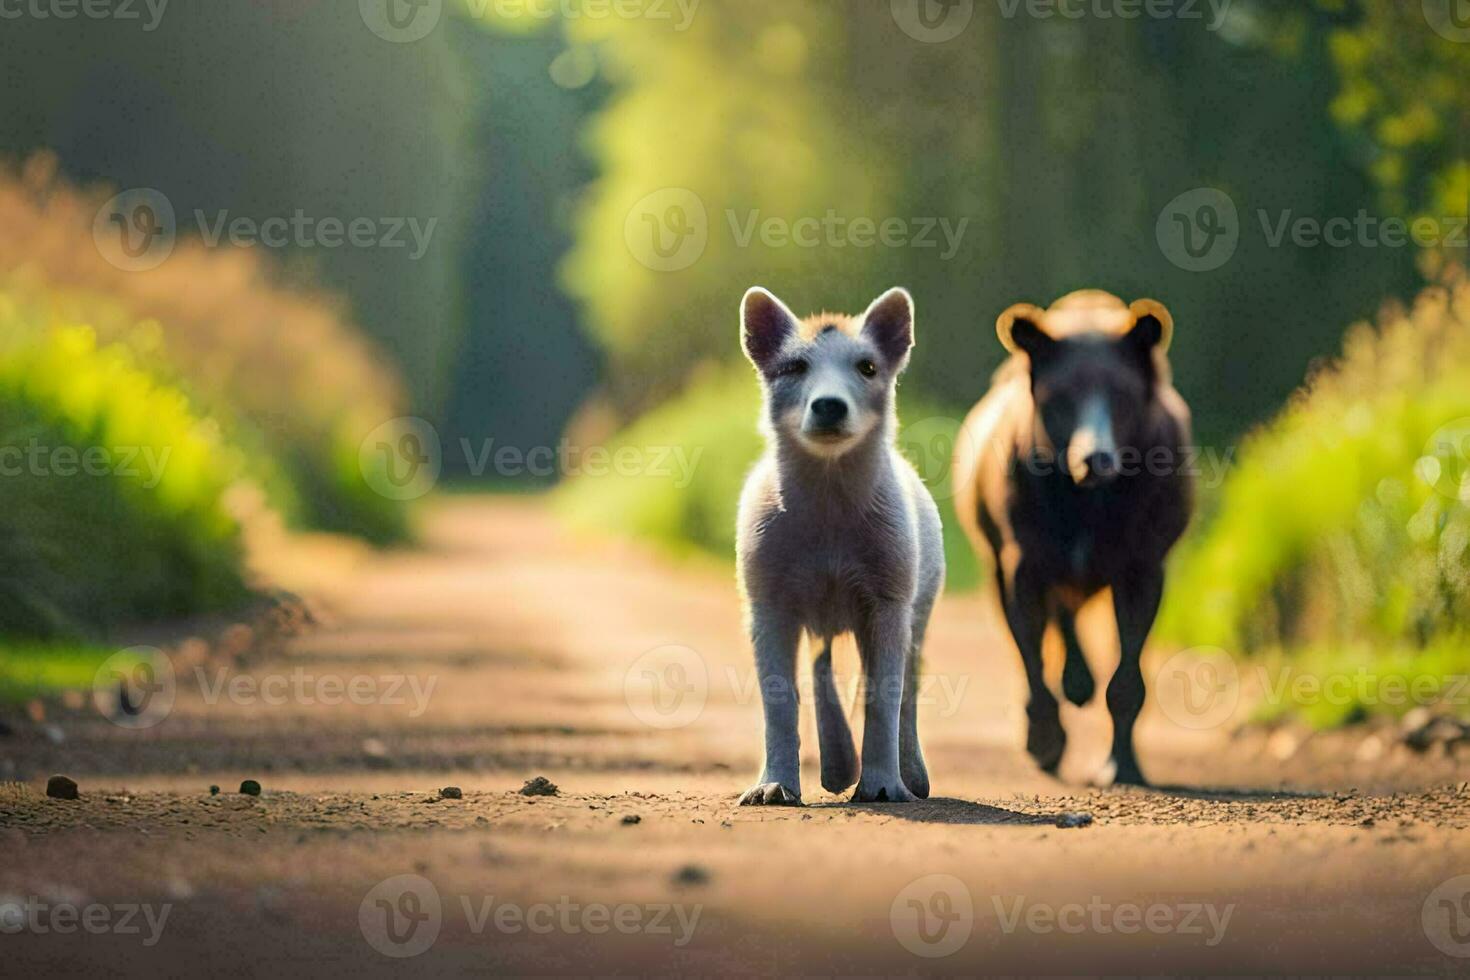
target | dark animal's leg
[
  {"x": 834, "y": 735},
  {"x": 1024, "y": 599},
  {"x": 1136, "y": 603},
  {"x": 1077, "y": 682}
]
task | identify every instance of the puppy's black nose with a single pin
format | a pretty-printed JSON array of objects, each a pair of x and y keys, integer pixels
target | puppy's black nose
[{"x": 829, "y": 412}]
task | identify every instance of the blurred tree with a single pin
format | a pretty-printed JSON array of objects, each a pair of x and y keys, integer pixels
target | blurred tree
[
  {"x": 525, "y": 364},
  {"x": 1405, "y": 95},
  {"x": 739, "y": 118},
  {"x": 1055, "y": 143},
  {"x": 264, "y": 108}
]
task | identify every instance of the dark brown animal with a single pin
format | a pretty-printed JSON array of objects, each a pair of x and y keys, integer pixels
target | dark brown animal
[{"x": 1072, "y": 473}]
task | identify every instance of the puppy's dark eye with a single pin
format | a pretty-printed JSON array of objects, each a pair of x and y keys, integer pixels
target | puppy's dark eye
[
  {"x": 867, "y": 368},
  {"x": 791, "y": 369}
]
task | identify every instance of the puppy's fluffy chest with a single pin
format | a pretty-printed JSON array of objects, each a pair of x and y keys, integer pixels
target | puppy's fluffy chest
[{"x": 830, "y": 560}]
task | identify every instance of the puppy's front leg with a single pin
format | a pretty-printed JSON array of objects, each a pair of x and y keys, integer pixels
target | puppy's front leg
[
  {"x": 883, "y": 642},
  {"x": 776, "y": 637}
]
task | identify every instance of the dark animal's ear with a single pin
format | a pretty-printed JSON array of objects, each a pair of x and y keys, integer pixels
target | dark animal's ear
[
  {"x": 765, "y": 325},
  {"x": 1019, "y": 329},
  {"x": 889, "y": 323},
  {"x": 1153, "y": 327}
]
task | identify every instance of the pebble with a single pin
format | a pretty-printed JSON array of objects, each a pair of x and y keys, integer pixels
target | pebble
[
  {"x": 1072, "y": 821},
  {"x": 691, "y": 874},
  {"x": 1436, "y": 731},
  {"x": 62, "y": 788},
  {"x": 375, "y": 754},
  {"x": 451, "y": 793},
  {"x": 250, "y": 788},
  {"x": 1283, "y": 744},
  {"x": 213, "y": 790},
  {"x": 631, "y": 819},
  {"x": 540, "y": 786}
]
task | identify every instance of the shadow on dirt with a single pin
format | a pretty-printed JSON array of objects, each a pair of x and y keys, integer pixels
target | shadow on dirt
[
  {"x": 943, "y": 810},
  {"x": 1225, "y": 794}
]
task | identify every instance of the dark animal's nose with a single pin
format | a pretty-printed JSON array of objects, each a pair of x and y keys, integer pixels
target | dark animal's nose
[
  {"x": 829, "y": 412},
  {"x": 1102, "y": 465}
]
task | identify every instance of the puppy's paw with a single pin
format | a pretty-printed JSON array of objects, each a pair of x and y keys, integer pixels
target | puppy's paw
[
  {"x": 882, "y": 789},
  {"x": 770, "y": 794},
  {"x": 915, "y": 775}
]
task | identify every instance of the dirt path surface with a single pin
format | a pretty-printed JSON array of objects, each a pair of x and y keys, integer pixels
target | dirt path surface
[{"x": 506, "y": 649}]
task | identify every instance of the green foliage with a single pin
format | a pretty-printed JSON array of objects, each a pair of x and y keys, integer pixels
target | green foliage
[
  {"x": 282, "y": 371},
  {"x": 733, "y": 111},
  {"x": 713, "y": 423},
  {"x": 1337, "y": 684},
  {"x": 1403, "y": 94},
  {"x": 1347, "y": 520},
  {"x": 261, "y": 110},
  {"x": 115, "y": 489},
  {"x": 1057, "y": 142},
  {"x": 28, "y": 670}
]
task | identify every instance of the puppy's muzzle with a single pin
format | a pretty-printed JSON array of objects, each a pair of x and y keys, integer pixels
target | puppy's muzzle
[{"x": 826, "y": 418}]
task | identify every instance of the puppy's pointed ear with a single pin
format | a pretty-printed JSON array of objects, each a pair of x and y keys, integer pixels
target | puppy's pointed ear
[
  {"x": 1153, "y": 326},
  {"x": 765, "y": 325},
  {"x": 1019, "y": 329},
  {"x": 889, "y": 323}
]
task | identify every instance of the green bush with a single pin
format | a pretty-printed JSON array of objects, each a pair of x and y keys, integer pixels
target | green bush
[
  {"x": 282, "y": 370},
  {"x": 29, "y": 669},
  {"x": 713, "y": 423},
  {"x": 1344, "y": 528},
  {"x": 114, "y": 489}
]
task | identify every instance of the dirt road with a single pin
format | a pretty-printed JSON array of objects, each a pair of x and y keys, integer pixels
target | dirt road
[{"x": 506, "y": 649}]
